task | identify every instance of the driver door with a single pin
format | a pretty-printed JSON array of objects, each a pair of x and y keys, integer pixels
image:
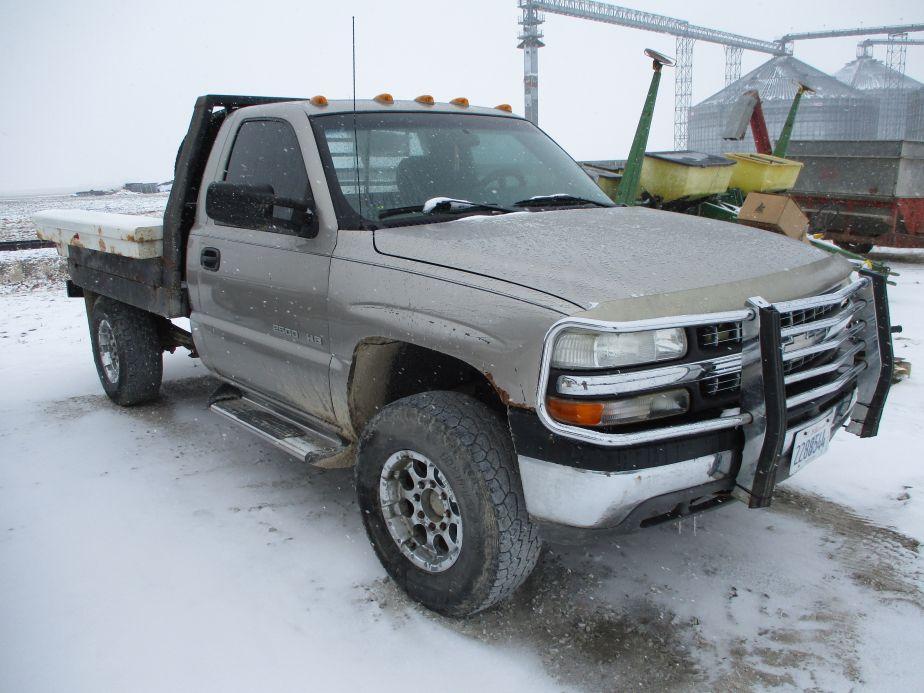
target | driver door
[{"x": 260, "y": 310}]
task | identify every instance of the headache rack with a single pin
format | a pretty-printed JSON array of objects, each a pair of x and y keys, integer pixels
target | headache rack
[{"x": 773, "y": 363}]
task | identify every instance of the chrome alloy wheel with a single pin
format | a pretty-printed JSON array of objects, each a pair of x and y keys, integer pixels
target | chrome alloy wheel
[
  {"x": 420, "y": 511},
  {"x": 108, "y": 351}
]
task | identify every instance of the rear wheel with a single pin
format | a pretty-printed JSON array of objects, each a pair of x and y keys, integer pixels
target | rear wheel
[
  {"x": 439, "y": 488},
  {"x": 127, "y": 352}
]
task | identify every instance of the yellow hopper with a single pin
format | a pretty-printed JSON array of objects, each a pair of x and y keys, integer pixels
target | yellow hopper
[
  {"x": 686, "y": 175},
  {"x": 763, "y": 172}
]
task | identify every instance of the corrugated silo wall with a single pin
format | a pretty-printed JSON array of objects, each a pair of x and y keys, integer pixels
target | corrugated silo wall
[
  {"x": 915, "y": 129},
  {"x": 899, "y": 113},
  {"x": 847, "y": 118}
]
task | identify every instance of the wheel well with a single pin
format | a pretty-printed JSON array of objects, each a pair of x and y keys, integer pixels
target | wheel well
[
  {"x": 171, "y": 336},
  {"x": 385, "y": 371}
]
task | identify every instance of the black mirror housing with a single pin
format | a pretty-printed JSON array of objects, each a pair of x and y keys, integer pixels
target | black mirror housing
[{"x": 257, "y": 207}]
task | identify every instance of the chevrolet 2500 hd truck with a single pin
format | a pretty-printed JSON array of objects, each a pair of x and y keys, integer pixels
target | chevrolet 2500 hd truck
[{"x": 438, "y": 294}]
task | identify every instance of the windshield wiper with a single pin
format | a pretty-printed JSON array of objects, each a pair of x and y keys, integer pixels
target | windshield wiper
[
  {"x": 443, "y": 205},
  {"x": 557, "y": 200}
]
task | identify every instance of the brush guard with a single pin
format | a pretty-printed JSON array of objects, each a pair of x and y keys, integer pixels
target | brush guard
[{"x": 763, "y": 390}]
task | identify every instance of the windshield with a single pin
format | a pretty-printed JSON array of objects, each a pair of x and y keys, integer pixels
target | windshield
[{"x": 396, "y": 162}]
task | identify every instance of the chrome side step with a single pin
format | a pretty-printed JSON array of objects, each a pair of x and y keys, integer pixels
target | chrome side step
[{"x": 310, "y": 445}]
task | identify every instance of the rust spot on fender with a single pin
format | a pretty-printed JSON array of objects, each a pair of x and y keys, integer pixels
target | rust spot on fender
[{"x": 504, "y": 395}]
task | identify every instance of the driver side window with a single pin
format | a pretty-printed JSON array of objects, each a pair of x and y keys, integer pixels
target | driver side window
[{"x": 266, "y": 152}]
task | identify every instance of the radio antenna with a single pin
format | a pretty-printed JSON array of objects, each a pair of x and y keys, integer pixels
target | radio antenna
[{"x": 359, "y": 197}]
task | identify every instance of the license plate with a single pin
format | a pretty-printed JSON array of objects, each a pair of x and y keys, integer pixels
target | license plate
[{"x": 810, "y": 443}]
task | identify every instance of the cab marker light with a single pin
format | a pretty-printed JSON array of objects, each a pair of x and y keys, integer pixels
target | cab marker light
[
  {"x": 318, "y": 100},
  {"x": 385, "y": 99},
  {"x": 506, "y": 107},
  {"x": 460, "y": 101},
  {"x": 425, "y": 99}
]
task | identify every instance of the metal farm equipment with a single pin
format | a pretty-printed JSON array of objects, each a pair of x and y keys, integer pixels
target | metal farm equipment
[{"x": 861, "y": 194}]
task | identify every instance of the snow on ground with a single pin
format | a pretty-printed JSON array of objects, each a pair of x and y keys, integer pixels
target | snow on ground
[
  {"x": 157, "y": 549},
  {"x": 160, "y": 549},
  {"x": 883, "y": 477},
  {"x": 21, "y": 271}
]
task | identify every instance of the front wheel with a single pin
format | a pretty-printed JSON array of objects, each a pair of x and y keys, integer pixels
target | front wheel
[
  {"x": 439, "y": 488},
  {"x": 127, "y": 352}
]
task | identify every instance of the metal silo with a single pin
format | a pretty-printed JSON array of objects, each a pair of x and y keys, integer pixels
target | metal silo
[
  {"x": 835, "y": 111},
  {"x": 901, "y": 98}
]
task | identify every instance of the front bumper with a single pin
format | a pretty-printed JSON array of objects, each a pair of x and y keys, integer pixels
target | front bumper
[
  {"x": 563, "y": 498},
  {"x": 743, "y": 453}
]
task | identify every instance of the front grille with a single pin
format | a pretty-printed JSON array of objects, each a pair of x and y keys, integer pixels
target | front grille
[
  {"x": 728, "y": 337},
  {"x": 720, "y": 384},
  {"x": 800, "y": 317},
  {"x": 728, "y": 334},
  {"x": 803, "y": 362},
  {"x": 721, "y": 335}
]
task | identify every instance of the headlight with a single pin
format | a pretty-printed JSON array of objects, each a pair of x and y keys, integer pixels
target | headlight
[{"x": 579, "y": 349}]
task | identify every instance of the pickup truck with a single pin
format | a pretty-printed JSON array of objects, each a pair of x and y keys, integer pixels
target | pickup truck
[{"x": 437, "y": 294}]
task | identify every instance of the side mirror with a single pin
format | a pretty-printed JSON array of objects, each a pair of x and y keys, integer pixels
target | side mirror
[{"x": 257, "y": 207}]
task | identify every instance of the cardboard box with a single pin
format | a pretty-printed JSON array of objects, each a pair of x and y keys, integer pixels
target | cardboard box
[{"x": 776, "y": 213}]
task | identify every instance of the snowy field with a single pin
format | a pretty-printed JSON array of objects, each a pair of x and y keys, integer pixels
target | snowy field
[{"x": 160, "y": 549}]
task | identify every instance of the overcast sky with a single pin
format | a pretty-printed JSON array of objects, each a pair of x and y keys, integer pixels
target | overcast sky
[{"x": 98, "y": 93}]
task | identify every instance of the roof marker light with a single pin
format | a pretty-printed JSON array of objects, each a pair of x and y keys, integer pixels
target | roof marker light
[
  {"x": 506, "y": 107},
  {"x": 460, "y": 101},
  {"x": 425, "y": 99},
  {"x": 318, "y": 100},
  {"x": 385, "y": 99}
]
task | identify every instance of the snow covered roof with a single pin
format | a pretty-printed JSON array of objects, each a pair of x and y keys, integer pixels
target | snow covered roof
[
  {"x": 868, "y": 74},
  {"x": 778, "y": 79}
]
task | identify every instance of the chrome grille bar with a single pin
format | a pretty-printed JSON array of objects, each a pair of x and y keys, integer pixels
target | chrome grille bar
[
  {"x": 823, "y": 369},
  {"x": 826, "y": 389},
  {"x": 826, "y": 345},
  {"x": 637, "y": 381},
  {"x": 834, "y": 323},
  {"x": 822, "y": 299}
]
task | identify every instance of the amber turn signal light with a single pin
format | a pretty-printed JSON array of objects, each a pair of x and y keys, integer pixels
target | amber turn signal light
[{"x": 575, "y": 412}]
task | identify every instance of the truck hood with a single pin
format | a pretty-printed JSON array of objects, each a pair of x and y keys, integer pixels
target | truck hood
[{"x": 591, "y": 256}]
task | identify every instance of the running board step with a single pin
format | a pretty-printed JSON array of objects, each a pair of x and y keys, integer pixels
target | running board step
[{"x": 299, "y": 440}]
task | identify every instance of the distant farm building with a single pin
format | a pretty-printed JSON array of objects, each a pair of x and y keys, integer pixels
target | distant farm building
[{"x": 142, "y": 187}]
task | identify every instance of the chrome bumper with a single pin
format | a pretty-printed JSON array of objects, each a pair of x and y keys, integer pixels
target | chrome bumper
[
  {"x": 584, "y": 499},
  {"x": 577, "y": 498},
  {"x": 862, "y": 325}
]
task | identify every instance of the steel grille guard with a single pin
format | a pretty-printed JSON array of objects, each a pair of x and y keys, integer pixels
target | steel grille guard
[{"x": 762, "y": 416}]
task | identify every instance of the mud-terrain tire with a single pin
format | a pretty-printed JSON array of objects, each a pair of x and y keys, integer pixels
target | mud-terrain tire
[
  {"x": 473, "y": 457},
  {"x": 127, "y": 352}
]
